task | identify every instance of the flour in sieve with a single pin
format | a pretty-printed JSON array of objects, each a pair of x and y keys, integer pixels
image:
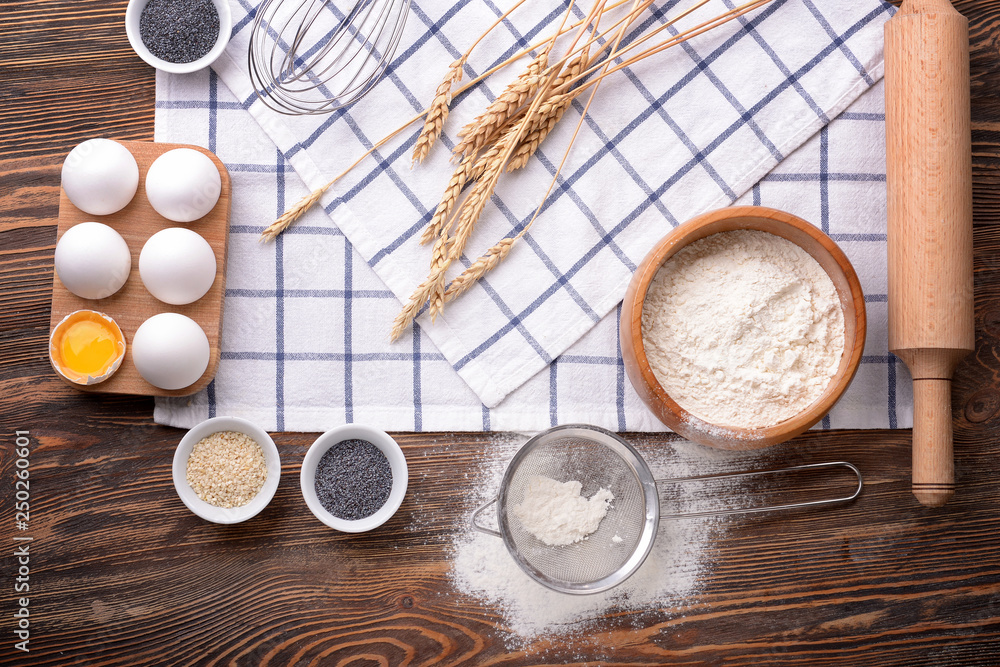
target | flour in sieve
[
  {"x": 555, "y": 512},
  {"x": 667, "y": 582},
  {"x": 743, "y": 328}
]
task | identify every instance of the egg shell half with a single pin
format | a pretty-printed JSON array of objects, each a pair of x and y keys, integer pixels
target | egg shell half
[
  {"x": 57, "y": 341},
  {"x": 100, "y": 176},
  {"x": 183, "y": 185},
  {"x": 177, "y": 265},
  {"x": 170, "y": 351},
  {"x": 92, "y": 260}
]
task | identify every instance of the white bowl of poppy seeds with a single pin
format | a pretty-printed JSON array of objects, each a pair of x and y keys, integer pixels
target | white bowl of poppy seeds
[
  {"x": 354, "y": 478},
  {"x": 226, "y": 469},
  {"x": 178, "y": 36}
]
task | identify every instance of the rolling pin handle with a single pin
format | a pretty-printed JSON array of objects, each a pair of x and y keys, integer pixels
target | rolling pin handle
[{"x": 933, "y": 463}]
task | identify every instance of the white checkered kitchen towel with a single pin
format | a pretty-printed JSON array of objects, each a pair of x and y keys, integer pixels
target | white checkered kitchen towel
[{"x": 305, "y": 343}]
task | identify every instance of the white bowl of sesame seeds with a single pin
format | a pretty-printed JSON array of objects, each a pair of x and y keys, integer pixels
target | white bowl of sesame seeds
[{"x": 226, "y": 469}]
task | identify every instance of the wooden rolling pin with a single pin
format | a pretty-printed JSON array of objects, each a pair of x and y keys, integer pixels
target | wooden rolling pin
[{"x": 929, "y": 179}]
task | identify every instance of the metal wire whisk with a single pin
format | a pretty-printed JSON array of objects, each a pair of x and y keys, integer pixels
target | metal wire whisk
[{"x": 313, "y": 58}]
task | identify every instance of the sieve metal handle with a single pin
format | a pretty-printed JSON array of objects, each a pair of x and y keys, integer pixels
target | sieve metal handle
[
  {"x": 484, "y": 529},
  {"x": 768, "y": 508}
]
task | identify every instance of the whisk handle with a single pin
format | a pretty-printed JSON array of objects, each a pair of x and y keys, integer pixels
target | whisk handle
[
  {"x": 481, "y": 528},
  {"x": 769, "y": 508}
]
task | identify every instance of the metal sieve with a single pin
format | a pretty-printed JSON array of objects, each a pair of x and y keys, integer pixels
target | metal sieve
[{"x": 600, "y": 459}]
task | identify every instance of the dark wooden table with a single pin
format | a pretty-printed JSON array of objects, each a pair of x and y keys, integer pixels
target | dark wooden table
[{"x": 121, "y": 574}]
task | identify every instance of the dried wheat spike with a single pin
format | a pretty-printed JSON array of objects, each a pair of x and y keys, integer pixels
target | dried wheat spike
[
  {"x": 291, "y": 215},
  {"x": 548, "y": 114},
  {"x": 442, "y": 213},
  {"x": 440, "y": 260},
  {"x": 437, "y": 113},
  {"x": 486, "y": 263},
  {"x": 435, "y": 299},
  {"x": 475, "y": 134},
  {"x": 542, "y": 124},
  {"x": 406, "y": 315},
  {"x": 474, "y": 203},
  {"x": 496, "y": 149}
]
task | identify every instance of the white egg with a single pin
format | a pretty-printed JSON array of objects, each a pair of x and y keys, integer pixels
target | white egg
[
  {"x": 100, "y": 176},
  {"x": 177, "y": 265},
  {"x": 92, "y": 260},
  {"x": 183, "y": 184},
  {"x": 170, "y": 351}
]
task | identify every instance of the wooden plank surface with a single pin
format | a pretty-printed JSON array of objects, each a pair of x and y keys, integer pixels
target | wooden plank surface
[{"x": 120, "y": 574}]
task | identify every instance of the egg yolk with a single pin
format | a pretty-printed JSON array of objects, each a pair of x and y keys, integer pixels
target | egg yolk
[
  {"x": 89, "y": 347},
  {"x": 86, "y": 347}
]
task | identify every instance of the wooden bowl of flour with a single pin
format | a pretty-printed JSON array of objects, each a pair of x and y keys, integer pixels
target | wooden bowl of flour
[{"x": 712, "y": 393}]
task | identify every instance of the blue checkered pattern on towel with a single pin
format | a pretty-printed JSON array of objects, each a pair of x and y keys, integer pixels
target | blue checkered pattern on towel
[{"x": 305, "y": 330}]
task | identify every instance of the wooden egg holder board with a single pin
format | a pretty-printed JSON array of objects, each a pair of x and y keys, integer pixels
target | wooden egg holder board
[{"x": 133, "y": 304}]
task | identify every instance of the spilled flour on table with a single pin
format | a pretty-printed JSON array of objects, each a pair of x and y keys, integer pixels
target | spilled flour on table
[{"x": 670, "y": 578}]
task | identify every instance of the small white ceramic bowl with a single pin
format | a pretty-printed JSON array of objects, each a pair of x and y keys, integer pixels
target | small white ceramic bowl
[
  {"x": 397, "y": 464},
  {"x": 208, "y": 511},
  {"x": 134, "y": 11}
]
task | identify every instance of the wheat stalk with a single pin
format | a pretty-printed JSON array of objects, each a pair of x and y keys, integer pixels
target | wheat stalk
[
  {"x": 508, "y": 133},
  {"x": 672, "y": 41},
  {"x": 496, "y": 254},
  {"x": 304, "y": 204},
  {"x": 433, "y": 288},
  {"x": 520, "y": 133}
]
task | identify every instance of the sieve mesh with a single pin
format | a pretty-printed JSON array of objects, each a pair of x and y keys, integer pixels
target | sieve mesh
[
  {"x": 600, "y": 459},
  {"x": 597, "y": 460}
]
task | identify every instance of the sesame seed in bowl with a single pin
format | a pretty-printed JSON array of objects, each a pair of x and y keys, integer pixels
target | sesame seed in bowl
[{"x": 226, "y": 470}]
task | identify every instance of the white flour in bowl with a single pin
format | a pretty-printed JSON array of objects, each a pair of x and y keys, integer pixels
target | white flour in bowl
[
  {"x": 668, "y": 581},
  {"x": 743, "y": 328}
]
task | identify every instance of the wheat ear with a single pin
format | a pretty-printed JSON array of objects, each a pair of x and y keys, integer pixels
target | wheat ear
[
  {"x": 553, "y": 107},
  {"x": 527, "y": 147},
  {"x": 486, "y": 263},
  {"x": 437, "y": 112},
  {"x": 440, "y": 261},
  {"x": 473, "y": 205},
  {"x": 282, "y": 223},
  {"x": 475, "y": 134},
  {"x": 442, "y": 213},
  {"x": 468, "y": 215},
  {"x": 497, "y": 146},
  {"x": 549, "y": 113},
  {"x": 291, "y": 215}
]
